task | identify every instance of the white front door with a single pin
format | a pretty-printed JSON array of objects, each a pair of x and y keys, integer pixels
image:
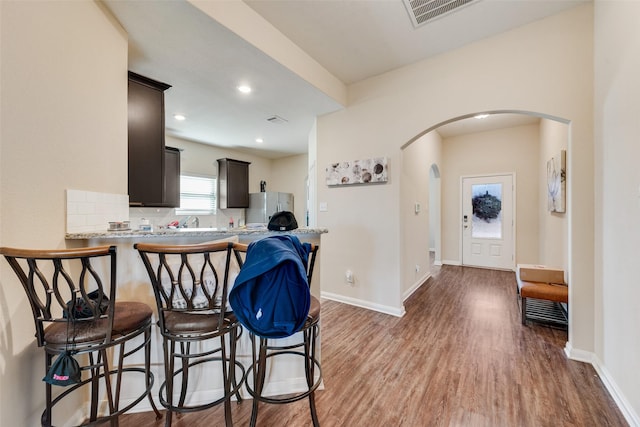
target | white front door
[{"x": 487, "y": 221}]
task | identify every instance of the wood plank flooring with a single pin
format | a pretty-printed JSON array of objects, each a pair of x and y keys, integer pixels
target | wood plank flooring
[{"x": 459, "y": 357}]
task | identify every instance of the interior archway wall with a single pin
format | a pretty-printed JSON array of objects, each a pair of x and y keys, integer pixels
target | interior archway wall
[
  {"x": 435, "y": 208},
  {"x": 527, "y": 69},
  {"x": 505, "y": 143}
]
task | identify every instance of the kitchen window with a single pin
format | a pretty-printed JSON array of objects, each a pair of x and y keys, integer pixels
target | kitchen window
[{"x": 197, "y": 195}]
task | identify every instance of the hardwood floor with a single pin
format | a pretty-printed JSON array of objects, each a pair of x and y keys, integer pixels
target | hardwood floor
[{"x": 459, "y": 357}]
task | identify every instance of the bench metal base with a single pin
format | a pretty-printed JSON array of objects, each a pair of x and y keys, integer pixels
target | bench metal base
[{"x": 544, "y": 311}]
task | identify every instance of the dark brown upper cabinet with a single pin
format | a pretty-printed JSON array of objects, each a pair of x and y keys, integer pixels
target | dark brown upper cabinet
[
  {"x": 171, "y": 177},
  {"x": 233, "y": 187},
  {"x": 153, "y": 180}
]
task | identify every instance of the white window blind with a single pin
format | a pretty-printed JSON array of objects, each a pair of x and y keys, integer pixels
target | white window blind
[{"x": 197, "y": 195}]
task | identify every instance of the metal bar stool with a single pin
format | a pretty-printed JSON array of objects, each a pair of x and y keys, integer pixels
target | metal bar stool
[
  {"x": 197, "y": 326},
  {"x": 267, "y": 346},
  {"x": 72, "y": 295}
]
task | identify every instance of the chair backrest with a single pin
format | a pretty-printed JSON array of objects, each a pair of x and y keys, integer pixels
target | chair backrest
[
  {"x": 271, "y": 295},
  {"x": 240, "y": 251},
  {"x": 65, "y": 285},
  {"x": 188, "y": 278}
]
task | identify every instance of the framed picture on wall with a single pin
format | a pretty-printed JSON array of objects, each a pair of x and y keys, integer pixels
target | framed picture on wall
[
  {"x": 364, "y": 171},
  {"x": 557, "y": 182}
]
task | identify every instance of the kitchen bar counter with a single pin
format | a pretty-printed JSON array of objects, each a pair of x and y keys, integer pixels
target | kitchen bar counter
[
  {"x": 133, "y": 285},
  {"x": 188, "y": 232}
]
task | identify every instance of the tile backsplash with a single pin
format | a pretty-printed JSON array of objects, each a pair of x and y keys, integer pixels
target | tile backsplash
[
  {"x": 160, "y": 217},
  {"x": 89, "y": 211}
]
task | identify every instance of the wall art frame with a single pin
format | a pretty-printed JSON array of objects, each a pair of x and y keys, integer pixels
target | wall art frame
[
  {"x": 557, "y": 182},
  {"x": 365, "y": 171}
]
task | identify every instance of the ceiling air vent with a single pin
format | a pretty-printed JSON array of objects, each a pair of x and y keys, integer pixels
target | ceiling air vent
[
  {"x": 423, "y": 11},
  {"x": 276, "y": 119}
]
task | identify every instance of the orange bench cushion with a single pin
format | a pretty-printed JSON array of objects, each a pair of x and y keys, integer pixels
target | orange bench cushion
[{"x": 546, "y": 291}]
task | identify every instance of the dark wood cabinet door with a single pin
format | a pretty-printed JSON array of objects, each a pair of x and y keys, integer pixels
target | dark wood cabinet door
[
  {"x": 146, "y": 141},
  {"x": 233, "y": 189},
  {"x": 172, "y": 177}
]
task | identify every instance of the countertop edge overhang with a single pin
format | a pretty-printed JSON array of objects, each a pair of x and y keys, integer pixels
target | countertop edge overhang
[{"x": 187, "y": 232}]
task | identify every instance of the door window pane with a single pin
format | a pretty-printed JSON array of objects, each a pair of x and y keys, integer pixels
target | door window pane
[{"x": 486, "y": 201}]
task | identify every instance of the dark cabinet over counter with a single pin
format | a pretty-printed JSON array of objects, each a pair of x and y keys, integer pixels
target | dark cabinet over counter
[
  {"x": 154, "y": 175},
  {"x": 171, "y": 177},
  {"x": 233, "y": 179}
]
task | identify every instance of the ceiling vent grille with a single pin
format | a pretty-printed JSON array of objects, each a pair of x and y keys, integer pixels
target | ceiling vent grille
[
  {"x": 423, "y": 11},
  {"x": 276, "y": 119}
]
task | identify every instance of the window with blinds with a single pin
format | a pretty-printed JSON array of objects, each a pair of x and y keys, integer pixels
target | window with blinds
[{"x": 197, "y": 195}]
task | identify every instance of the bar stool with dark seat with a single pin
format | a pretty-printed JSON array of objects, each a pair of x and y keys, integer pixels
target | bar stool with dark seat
[
  {"x": 190, "y": 284},
  {"x": 72, "y": 295},
  {"x": 269, "y": 347}
]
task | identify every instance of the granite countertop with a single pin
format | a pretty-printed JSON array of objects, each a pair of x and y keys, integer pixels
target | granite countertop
[{"x": 187, "y": 232}]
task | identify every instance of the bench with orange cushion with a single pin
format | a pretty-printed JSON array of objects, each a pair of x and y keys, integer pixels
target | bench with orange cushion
[
  {"x": 545, "y": 291},
  {"x": 542, "y": 289}
]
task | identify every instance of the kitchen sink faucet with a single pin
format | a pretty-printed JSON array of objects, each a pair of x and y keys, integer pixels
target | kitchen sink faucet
[{"x": 195, "y": 221}]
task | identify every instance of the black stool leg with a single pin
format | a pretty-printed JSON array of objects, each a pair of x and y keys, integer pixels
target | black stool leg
[
  {"x": 46, "y": 416},
  {"x": 169, "y": 349},
  {"x": 185, "y": 372},
  {"x": 226, "y": 382},
  {"x": 147, "y": 367},
  {"x": 310, "y": 356},
  {"x": 112, "y": 402},
  {"x": 259, "y": 368},
  {"x": 233, "y": 343},
  {"x": 95, "y": 384}
]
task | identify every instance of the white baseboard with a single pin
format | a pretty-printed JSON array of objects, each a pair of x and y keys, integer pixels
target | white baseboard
[
  {"x": 415, "y": 286},
  {"x": 451, "y": 262},
  {"x": 579, "y": 355},
  {"x": 621, "y": 401},
  {"x": 394, "y": 311},
  {"x": 623, "y": 404}
]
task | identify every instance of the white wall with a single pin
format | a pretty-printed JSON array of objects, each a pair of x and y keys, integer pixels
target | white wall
[
  {"x": 435, "y": 212},
  {"x": 553, "y": 226},
  {"x": 313, "y": 175},
  {"x": 200, "y": 158},
  {"x": 417, "y": 159},
  {"x": 544, "y": 67},
  {"x": 617, "y": 131},
  {"x": 64, "y": 125},
  {"x": 289, "y": 175},
  {"x": 507, "y": 150}
]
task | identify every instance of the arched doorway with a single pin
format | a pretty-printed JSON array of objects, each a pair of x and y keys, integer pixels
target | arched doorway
[
  {"x": 548, "y": 242},
  {"x": 434, "y": 214}
]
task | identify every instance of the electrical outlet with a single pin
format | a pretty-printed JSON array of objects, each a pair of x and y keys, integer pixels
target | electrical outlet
[{"x": 348, "y": 275}]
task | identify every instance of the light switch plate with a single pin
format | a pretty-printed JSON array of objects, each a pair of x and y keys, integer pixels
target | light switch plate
[{"x": 323, "y": 206}]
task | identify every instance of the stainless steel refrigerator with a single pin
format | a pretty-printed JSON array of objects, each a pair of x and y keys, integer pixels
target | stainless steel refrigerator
[{"x": 263, "y": 205}]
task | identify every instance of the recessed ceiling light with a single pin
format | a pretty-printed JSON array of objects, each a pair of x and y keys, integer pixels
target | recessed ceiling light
[
  {"x": 179, "y": 117},
  {"x": 244, "y": 88},
  {"x": 481, "y": 116},
  {"x": 259, "y": 140}
]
